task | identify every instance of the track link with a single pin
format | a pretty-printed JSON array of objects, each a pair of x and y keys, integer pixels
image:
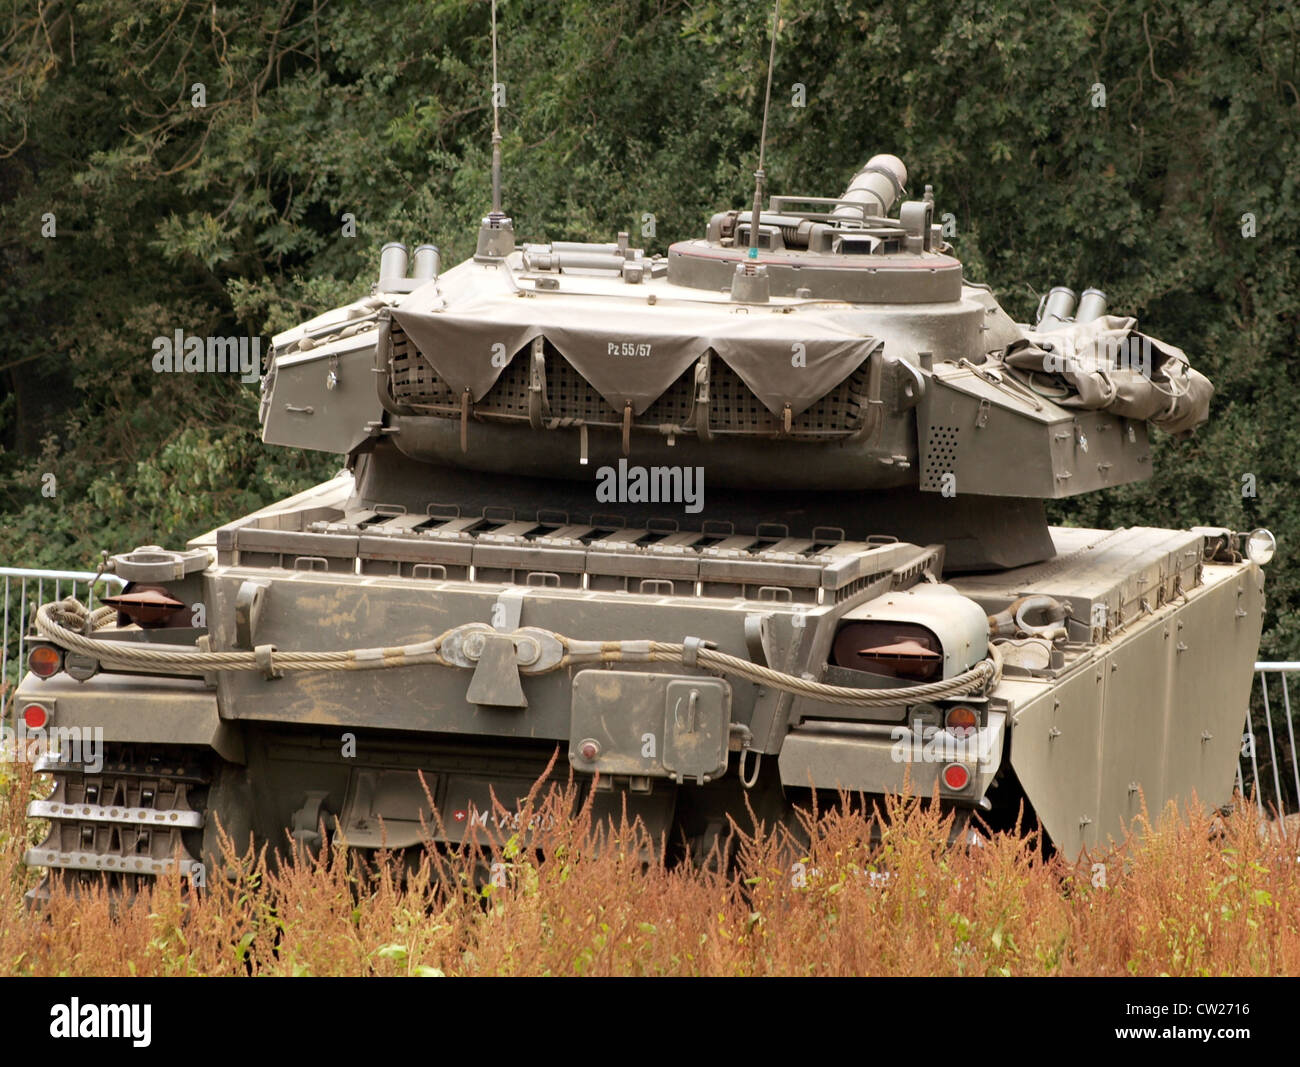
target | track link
[{"x": 135, "y": 818}]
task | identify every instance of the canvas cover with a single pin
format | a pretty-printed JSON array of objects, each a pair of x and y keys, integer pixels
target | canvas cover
[
  {"x": 1108, "y": 365},
  {"x": 629, "y": 350}
]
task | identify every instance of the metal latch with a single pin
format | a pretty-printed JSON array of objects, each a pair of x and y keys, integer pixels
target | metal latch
[{"x": 697, "y": 718}]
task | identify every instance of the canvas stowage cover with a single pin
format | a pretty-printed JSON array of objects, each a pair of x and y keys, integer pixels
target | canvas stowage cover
[
  {"x": 630, "y": 351},
  {"x": 1109, "y": 366}
]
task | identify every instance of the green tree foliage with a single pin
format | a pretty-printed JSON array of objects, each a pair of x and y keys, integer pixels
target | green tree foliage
[{"x": 227, "y": 218}]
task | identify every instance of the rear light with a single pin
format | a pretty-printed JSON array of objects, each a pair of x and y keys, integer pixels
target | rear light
[
  {"x": 925, "y": 716},
  {"x": 955, "y": 776},
  {"x": 45, "y": 661},
  {"x": 80, "y": 666},
  {"x": 961, "y": 721},
  {"x": 35, "y": 716}
]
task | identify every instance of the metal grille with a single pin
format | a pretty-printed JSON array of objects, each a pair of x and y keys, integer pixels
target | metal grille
[
  {"x": 571, "y": 395},
  {"x": 733, "y": 408},
  {"x": 941, "y": 456},
  {"x": 508, "y": 398},
  {"x": 413, "y": 379}
]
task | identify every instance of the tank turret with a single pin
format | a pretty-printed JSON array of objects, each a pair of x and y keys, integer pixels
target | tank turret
[{"x": 828, "y": 364}]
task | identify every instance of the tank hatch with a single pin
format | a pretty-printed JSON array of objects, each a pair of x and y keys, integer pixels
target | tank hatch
[{"x": 846, "y": 248}]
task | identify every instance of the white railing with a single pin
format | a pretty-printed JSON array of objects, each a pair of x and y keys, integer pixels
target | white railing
[
  {"x": 17, "y": 615},
  {"x": 1284, "y": 794},
  {"x": 1280, "y": 796}
]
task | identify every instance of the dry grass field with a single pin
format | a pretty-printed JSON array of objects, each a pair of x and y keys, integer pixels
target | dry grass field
[{"x": 1194, "y": 896}]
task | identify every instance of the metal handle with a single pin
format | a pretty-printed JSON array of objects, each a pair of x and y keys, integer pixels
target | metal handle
[{"x": 692, "y": 704}]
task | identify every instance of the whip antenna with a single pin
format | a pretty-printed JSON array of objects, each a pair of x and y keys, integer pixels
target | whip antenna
[
  {"x": 762, "y": 140},
  {"x": 496, "y": 235},
  {"x": 496, "y": 123}
]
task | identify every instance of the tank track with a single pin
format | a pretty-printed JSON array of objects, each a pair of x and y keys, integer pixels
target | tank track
[{"x": 134, "y": 819}]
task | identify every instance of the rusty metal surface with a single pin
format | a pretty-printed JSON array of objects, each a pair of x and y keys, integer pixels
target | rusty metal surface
[{"x": 146, "y": 607}]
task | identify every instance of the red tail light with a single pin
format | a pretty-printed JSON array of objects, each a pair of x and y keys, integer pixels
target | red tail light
[
  {"x": 35, "y": 716},
  {"x": 955, "y": 776}
]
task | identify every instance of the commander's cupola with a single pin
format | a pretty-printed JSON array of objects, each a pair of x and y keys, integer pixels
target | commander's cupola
[{"x": 846, "y": 248}]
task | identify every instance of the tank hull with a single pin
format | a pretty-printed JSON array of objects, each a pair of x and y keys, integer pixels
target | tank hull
[{"x": 1139, "y": 701}]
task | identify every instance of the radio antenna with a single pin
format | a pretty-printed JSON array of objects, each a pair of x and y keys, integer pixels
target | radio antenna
[
  {"x": 759, "y": 176},
  {"x": 496, "y": 234},
  {"x": 496, "y": 123}
]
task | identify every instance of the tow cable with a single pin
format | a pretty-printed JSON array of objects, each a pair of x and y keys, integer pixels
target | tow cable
[{"x": 68, "y": 623}]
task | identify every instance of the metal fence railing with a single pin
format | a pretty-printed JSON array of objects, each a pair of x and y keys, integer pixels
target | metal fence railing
[
  {"x": 24, "y": 591},
  {"x": 1268, "y": 744},
  {"x": 1269, "y": 761}
]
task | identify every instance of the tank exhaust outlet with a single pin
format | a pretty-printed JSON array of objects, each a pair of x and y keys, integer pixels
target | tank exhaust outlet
[
  {"x": 1057, "y": 308},
  {"x": 876, "y": 188},
  {"x": 428, "y": 263},
  {"x": 393, "y": 259},
  {"x": 1092, "y": 306}
]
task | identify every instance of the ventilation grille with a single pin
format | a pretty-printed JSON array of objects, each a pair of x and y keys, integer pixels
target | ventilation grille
[
  {"x": 733, "y": 407},
  {"x": 940, "y": 457}
]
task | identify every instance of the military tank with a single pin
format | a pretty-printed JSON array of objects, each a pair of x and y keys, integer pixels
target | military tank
[{"x": 756, "y": 519}]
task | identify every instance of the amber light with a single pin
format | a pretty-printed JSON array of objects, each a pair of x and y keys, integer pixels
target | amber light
[
  {"x": 35, "y": 717},
  {"x": 961, "y": 720},
  {"x": 45, "y": 661}
]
